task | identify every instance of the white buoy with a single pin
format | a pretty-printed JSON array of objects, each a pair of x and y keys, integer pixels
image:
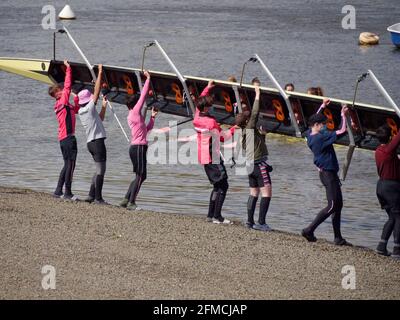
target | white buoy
[{"x": 67, "y": 13}]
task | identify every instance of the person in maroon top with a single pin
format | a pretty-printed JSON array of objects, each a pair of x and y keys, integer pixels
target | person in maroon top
[{"x": 388, "y": 188}]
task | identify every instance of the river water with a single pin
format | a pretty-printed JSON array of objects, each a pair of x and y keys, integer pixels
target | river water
[{"x": 301, "y": 41}]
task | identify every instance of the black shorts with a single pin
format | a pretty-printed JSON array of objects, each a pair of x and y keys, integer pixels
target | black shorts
[
  {"x": 138, "y": 155},
  {"x": 97, "y": 149},
  {"x": 388, "y": 192},
  {"x": 260, "y": 176},
  {"x": 215, "y": 172},
  {"x": 69, "y": 148}
]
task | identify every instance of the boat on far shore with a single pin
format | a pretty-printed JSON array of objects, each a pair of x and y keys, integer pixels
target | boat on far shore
[{"x": 395, "y": 34}]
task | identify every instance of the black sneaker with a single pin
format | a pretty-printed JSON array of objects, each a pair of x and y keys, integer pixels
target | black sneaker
[
  {"x": 384, "y": 253},
  {"x": 382, "y": 249},
  {"x": 89, "y": 199},
  {"x": 124, "y": 203},
  {"x": 396, "y": 252},
  {"x": 249, "y": 225},
  {"x": 342, "y": 242},
  {"x": 57, "y": 195},
  {"x": 309, "y": 236}
]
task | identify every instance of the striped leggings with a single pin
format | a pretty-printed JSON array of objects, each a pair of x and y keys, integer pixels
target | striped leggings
[
  {"x": 138, "y": 155},
  {"x": 332, "y": 184}
]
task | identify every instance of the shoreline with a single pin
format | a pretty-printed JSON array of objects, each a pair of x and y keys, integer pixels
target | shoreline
[{"x": 107, "y": 252}]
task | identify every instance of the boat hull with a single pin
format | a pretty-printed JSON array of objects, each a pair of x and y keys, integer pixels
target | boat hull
[
  {"x": 167, "y": 95},
  {"x": 395, "y": 34}
]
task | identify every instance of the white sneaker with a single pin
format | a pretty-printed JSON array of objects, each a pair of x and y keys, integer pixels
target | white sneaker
[
  {"x": 225, "y": 221},
  {"x": 70, "y": 198},
  {"x": 262, "y": 227}
]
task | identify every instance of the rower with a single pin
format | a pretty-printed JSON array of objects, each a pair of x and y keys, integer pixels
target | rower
[
  {"x": 209, "y": 135},
  {"x": 253, "y": 141}
]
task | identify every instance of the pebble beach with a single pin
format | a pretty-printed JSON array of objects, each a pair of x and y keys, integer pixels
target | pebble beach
[{"x": 107, "y": 252}]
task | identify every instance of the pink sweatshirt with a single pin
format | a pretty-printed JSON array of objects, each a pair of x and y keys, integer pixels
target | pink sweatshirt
[
  {"x": 65, "y": 112},
  {"x": 136, "y": 121},
  {"x": 209, "y": 136}
]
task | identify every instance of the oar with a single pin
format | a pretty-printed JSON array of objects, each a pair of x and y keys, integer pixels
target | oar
[
  {"x": 93, "y": 75},
  {"x": 285, "y": 97},
  {"x": 167, "y": 129},
  {"x": 386, "y": 96},
  {"x": 383, "y": 91},
  {"x": 352, "y": 143},
  {"x": 283, "y": 94}
]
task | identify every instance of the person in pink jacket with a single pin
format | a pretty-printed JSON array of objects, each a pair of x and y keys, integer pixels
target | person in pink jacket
[
  {"x": 209, "y": 136},
  {"x": 138, "y": 148},
  {"x": 65, "y": 114}
]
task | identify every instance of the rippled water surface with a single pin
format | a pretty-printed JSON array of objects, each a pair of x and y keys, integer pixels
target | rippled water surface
[{"x": 301, "y": 41}]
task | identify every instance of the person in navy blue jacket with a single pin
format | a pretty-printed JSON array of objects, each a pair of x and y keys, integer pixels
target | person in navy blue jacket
[{"x": 320, "y": 141}]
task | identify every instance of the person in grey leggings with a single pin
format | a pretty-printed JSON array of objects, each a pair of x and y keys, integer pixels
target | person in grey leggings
[{"x": 92, "y": 121}]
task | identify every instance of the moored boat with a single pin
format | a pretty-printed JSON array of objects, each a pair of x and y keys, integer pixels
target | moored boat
[{"x": 395, "y": 34}]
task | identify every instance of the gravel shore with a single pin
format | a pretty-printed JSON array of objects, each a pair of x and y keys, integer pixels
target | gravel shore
[{"x": 106, "y": 252}]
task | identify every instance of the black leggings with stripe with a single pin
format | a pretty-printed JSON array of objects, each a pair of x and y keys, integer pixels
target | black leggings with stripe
[
  {"x": 332, "y": 185},
  {"x": 138, "y": 155}
]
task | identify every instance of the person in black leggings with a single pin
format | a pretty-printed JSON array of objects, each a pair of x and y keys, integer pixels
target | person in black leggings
[
  {"x": 321, "y": 144},
  {"x": 138, "y": 149},
  {"x": 388, "y": 188},
  {"x": 65, "y": 113}
]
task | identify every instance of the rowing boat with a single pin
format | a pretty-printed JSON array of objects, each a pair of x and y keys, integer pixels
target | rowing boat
[
  {"x": 395, "y": 34},
  {"x": 168, "y": 95}
]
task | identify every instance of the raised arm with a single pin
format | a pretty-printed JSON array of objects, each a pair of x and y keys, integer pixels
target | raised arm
[
  {"x": 206, "y": 90},
  {"x": 255, "y": 110},
  {"x": 150, "y": 125},
  {"x": 323, "y": 105},
  {"x": 394, "y": 144},
  {"x": 344, "y": 122},
  {"x": 67, "y": 84},
  {"x": 97, "y": 86},
  {"x": 103, "y": 108},
  {"x": 76, "y": 103},
  {"x": 137, "y": 109}
]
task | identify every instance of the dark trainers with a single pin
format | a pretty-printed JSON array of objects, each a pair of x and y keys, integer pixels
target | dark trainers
[
  {"x": 382, "y": 249},
  {"x": 101, "y": 202},
  {"x": 309, "y": 236},
  {"x": 262, "y": 227},
  {"x": 57, "y": 195},
  {"x": 124, "y": 203},
  {"x": 208, "y": 219},
  {"x": 249, "y": 225},
  {"x": 131, "y": 206},
  {"x": 396, "y": 252},
  {"x": 89, "y": 199},
  {"x": 342, "y": 242}
]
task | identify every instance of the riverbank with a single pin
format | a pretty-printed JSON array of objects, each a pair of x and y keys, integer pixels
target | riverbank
[{"x": 104, "y": 252}]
